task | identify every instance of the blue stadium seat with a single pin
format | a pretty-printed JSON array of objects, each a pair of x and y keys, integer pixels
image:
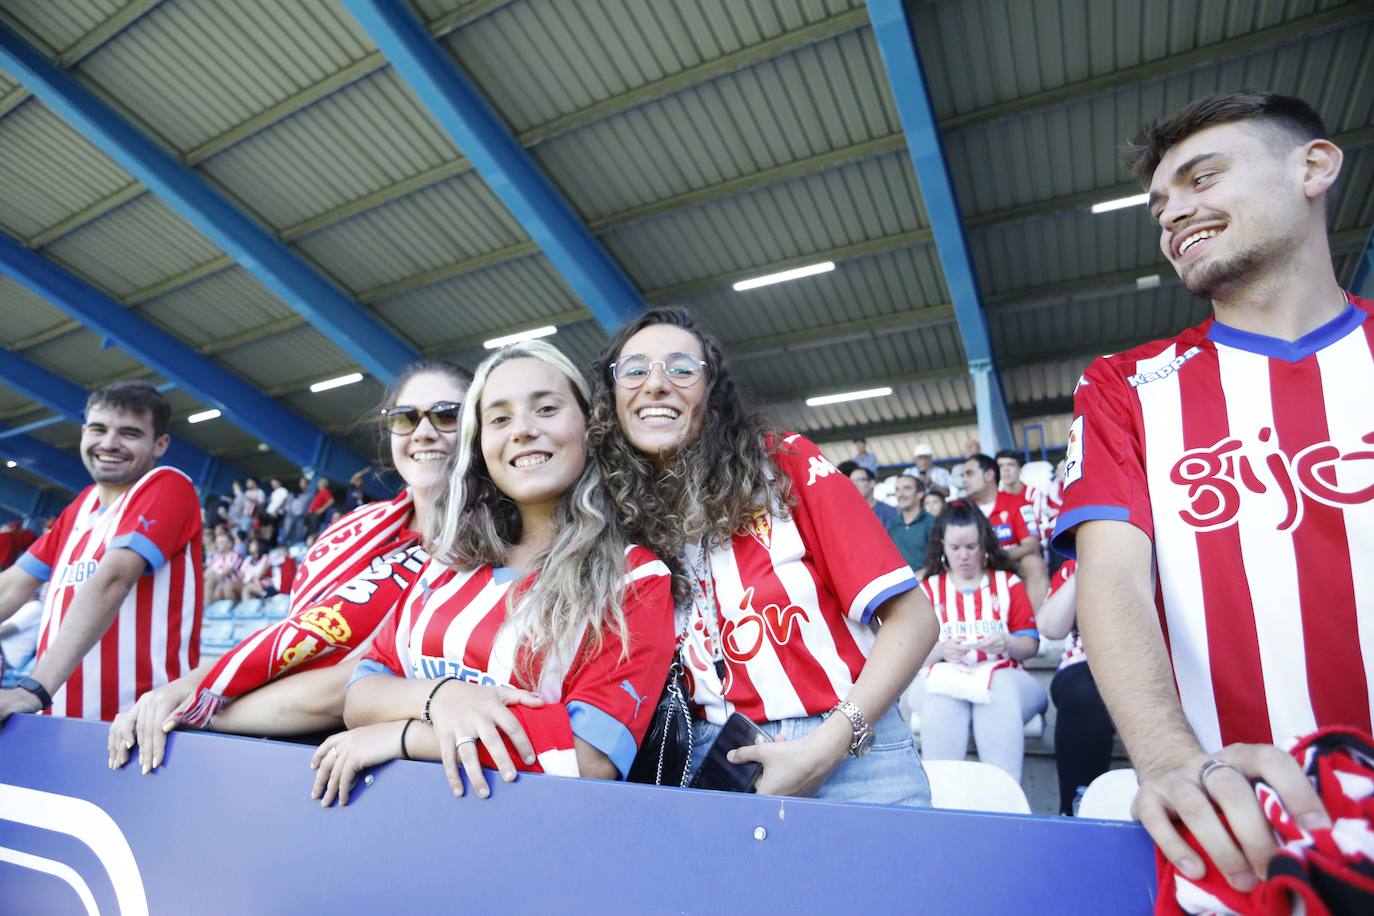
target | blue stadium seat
[
  {"x": 246, "y": 628},
  {"x": 248, "y": 609},
  {"x": 297, "y": 550},
  {"x": 276, "y": 607},
  {"x": 219, "y": 609},
  {"x": 216, "y": 636}
]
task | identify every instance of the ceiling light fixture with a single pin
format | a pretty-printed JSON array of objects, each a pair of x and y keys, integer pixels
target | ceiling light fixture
[
  {"x": 1149, "y": 281},
  {"x": 339, "y": 382},
  {"x": 848, "y": 396},
  {"x": 497, "y": 342},
  {"x": 796, "y": 273},
  {"x": 11, "y": 464},
  {"x": 203, "y": 416},
  {"x": 1121, "y": 203}
]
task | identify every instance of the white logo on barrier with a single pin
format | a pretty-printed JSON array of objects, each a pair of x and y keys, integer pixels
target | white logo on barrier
[{"x": 87, "y": 822}]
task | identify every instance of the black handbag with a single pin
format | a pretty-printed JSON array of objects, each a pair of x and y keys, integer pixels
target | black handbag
[{"x": 665, "y": 754}]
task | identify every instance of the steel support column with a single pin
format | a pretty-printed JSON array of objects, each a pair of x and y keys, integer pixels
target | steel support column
[
  {"x": 911, "y": 94},
  {"x": 379, "y": 350},
  {"x": 501, "y": 161},
  {"x": 28, "y": 502}
]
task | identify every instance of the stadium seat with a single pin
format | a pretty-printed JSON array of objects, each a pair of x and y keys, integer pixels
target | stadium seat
[
  {"x": 296, "y": 551},
  {"x": 276, "y": 607},
  {"x": 217, "y": 609},
  {"x": 216, "y": 636},
  {"x": 248, "y": 609},
  {"x": 246, "y": 628},
  {"x": 1110, "y": 796},
  {"x": 966, "y": 785}
]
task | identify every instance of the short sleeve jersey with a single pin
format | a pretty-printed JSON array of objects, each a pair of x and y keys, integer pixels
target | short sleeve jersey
[
  {"x": 1249, "y": 463},
  {"x": 998, "y": 605},
  {"x": 793, "y": 598},
  {"x": 156, "y": 636},
  {"x": 1013, "y": 519},
  {"x": 453, "y": 623}
]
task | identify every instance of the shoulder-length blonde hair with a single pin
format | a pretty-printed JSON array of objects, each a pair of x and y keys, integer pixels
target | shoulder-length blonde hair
[{"x": 576, "y": 591}]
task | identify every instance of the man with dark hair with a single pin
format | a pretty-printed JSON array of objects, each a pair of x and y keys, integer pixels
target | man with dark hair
[
  {"x": 1013, "y": 520},
  {"x": 1219, "y": 488},
  {"x": 864, "y": 458},
  {"x": 1009, "y": 464},
  {"x": 910, "y": 529},
  {"x": 865, "y": 480},
  {"x": 122, "y": 609}
]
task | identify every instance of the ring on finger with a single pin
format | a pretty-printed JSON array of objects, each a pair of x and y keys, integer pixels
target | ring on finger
[
  {"x": 466, "y": 739},
  {"x": 1210, "y": 766}
]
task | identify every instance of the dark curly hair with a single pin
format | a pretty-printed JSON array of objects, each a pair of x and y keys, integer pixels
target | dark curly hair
[
  {"x": 958, "y": 513},
  {"x": 714, "y": 484}
]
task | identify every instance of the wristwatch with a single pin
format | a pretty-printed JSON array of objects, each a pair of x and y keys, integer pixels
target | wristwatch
[
  {"x": 37, "y": 689},
  {"x": 863, "y": 732}
]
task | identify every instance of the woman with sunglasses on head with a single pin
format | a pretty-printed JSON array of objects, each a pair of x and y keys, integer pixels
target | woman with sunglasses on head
[
  {"x": 787, "y": 567},
  {"x": 987, "y": 628},
  {"x": 343, "y": 588},
  {"x": 537, "y": 632}
]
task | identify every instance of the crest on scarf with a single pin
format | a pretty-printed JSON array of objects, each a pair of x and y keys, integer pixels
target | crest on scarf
[{"x": 760, "y": 528}]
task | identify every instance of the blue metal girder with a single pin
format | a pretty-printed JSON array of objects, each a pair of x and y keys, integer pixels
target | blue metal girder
[
  {"x": 501, "y": 161},
  {"x": 47, "y": 461},
  {"x": 287, "y": 432},
  {"x": 1362, "y": 284},
  {"x": 892, "y": 29},
  {"x": 69, "y": 400},
  {"x": 29, "y": 502},
  {"x": 379, "y": 350}
]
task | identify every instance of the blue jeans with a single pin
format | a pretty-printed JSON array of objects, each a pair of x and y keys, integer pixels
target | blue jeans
[{"x": 889, "y": 774}]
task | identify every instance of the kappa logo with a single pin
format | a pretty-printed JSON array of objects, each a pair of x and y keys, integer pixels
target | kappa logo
[
  {"x": 820, "y": 467},
  {"x": 1163, "y": 372}
]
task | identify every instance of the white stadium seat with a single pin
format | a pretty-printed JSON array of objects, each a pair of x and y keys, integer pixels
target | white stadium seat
[
  {"x": 1110, "y": 796},
  {"x": 965, "y": 785}
]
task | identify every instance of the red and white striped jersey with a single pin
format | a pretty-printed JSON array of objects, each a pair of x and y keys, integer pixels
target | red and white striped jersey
[
  {"x": 794, "y": 597},
  {"x": 345, "y": 587},
  {"x": 999, "y": 605},
  {"x": 452, "y": 623},
  {"x": 1054, "y": 502},
  {"x": 156, "y": 636},
  {"x": 1249, "y": 462},
  {"x": 1073, "y": 644},
  {"x": 1013, "y": 519}
]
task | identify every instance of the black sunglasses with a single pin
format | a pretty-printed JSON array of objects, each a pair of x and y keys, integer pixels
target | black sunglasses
[{"x": 402, "y": 420}]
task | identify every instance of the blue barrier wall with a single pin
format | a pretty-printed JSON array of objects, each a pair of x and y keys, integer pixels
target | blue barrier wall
[{"x": 228, "y": 826}]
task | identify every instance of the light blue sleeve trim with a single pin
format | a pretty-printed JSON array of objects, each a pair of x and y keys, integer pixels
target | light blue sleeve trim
[
  {"x": 604, "y": 732},
  {"x": 145, "y": 548},
  {"x": 34, "y": 567},
  {"x": 1032, "y": 632},
  {"x": 367, "y": 667},
  {"x": 881, "y": 598},
  {"x": 1063, "y": 541}
]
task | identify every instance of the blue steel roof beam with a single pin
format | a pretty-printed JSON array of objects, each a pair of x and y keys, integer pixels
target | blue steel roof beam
[
  {"x": 47, "y": 461},
  {"x": 501, "y": 161},
  {"x": 380, "y": 351},
  {"x": 291, "y": 435},
  {"x": 911, "y": 93},
  {"x": 69, "y": 399},
  {"x": 29, "y": 502},
  {"x": 1362, "y": 282}
]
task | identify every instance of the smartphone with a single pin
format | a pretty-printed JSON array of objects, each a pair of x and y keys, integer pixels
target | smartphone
[{"x": 718, "y": 773}]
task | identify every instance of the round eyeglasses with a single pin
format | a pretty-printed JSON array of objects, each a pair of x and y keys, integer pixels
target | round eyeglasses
[
  {"x": 402, "y": 419},
  {"x": 682, "y": 369}
]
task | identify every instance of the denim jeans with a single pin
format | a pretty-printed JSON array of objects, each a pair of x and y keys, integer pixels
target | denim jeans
[{"x": 889, "y": 774}]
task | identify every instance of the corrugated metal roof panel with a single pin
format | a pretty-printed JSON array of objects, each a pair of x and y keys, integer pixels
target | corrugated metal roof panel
[
  {"x": 48, "y": 171},
  {"x": 1069, "y": 245},
  {"x": 61, "y": 25},
  {"x": 855, "y": 203},
  {"x": 451, "y": 222},
  {"x": 346, "y": 146},
  {"x": 80, "y": 358},
  {"x": 222, "y": 305},
  {"x": 299, "y": 355},
  {"x": 25, "y": 314},
  {"x": 575, "y": 55},
  {"x": 142, "y": 243},
  {"x": 347, "y": 411},
  {"x": 1354, "y": 204},
  {"x": 194, "y": 69},
  {"x": 1095, "y": 323}
]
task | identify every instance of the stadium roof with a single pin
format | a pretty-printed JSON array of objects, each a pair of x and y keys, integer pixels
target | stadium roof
[{"x": 310, "y": 216}]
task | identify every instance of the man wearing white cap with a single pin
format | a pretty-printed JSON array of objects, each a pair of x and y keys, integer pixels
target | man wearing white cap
[{"x": 931, "y": 475}]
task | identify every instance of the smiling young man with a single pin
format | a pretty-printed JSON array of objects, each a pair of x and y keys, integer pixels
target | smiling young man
[
  {"x": 1220, "y": 487},
  {"x": 123, "y": 567}
]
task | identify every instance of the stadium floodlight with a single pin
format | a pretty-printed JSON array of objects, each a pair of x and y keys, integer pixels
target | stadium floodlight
[
  {"x": 203, "y": 416},
  {"x": 339, "y": 382},
  {"x": 1121, "y": 203},
  {"x": 1149, "y": 281},
  {"x": 11, "y": 464},
  {"x": 848, "y": 396},
  {"x": 497, "y": 342},
  {"x": 795, "y": 273}
]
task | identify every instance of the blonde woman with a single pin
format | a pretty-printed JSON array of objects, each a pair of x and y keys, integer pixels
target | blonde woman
[{"x": 537, "y": 638}]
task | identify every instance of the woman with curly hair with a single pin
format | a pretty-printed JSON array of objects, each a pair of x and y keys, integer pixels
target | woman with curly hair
[
  {"x": 987, "y": 628},
  {"x": 785, "y": 566}
]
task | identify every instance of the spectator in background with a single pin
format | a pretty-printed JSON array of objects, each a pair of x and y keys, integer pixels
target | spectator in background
[
  {"x": 296, "y": 509},
  {"x": 910, "y": 529},
  {"x": 24, "y": 539},
  {"x": 864, "y": 458},
  {"x": 933, "y": 502},
  {"x": 1009, "y": 464},
  {"x": 235, "y": 514},
  {"x": 355, "y": 495},
  {"x": 930, "y": 475},
  {"x": 253, "y": 571},
  {"x": 7, "y": 551},
  {"x": 275, "y": 511},
  {"x": 1014, "y": 522},
  {"x": 222, "y": 570},
  {"x": 972, "y": 447},
  {"x": 281, "y": 573},
  {"x": 987, "y": 628},
  {"x": 254, "y": 499},
  {"x": 864, "y": 480},
  {"x": 320, "y": 504}
]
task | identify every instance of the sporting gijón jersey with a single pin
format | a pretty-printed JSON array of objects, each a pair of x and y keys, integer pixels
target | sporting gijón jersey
[
  {"x": 794, "y": 597},
  {"x": 156, "y": 636},
  {"x": 347, "y": 583},
  {"x": 1013, "y": 519},
  {"x": 453, "y": 623},
  {"x": 1073, "y": 644},
  {"x": 998, "y": 605},
  {"x": 1249, "y": 462}
]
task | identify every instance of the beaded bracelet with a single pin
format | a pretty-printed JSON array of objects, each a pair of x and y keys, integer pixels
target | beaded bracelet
[
  {"x": 430, "y": 698},
  {"x": 405, "y": 728}
]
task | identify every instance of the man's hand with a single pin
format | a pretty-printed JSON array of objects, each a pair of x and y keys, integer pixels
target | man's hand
[
  {"x": 1242, "y": 852},
  {"x": 16, "y": 700}
]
